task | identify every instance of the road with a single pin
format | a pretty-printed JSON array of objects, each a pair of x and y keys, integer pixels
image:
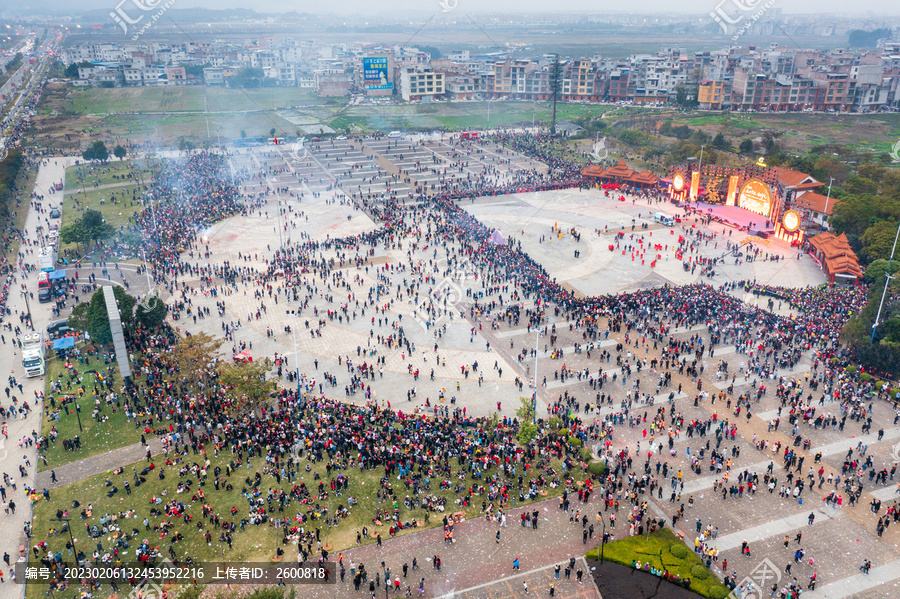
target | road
[
  {"x": 22, "y": 89},
  {"x": 12, "y": 454}
]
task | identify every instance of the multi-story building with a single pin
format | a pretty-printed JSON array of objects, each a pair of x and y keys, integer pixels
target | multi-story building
[
  {"x": 420, "y": 84},
  {"x": 460, "y": 87}
]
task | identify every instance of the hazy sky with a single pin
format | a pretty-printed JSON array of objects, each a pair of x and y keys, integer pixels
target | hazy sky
[{"x": 855, "y": 8}]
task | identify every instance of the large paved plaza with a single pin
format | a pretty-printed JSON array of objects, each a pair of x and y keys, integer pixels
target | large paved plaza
[
  {"x": 840, "y": 538},
  {"x": 468, "y": 357}
]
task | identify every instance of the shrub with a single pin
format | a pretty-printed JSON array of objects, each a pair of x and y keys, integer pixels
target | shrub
[
  {"x": 718, "y": 592},
  {"x": 678, "y": 550},
  {"x": 554, "y": 422},
  {"x": 574, "y": 441},
  {"x": 597, "y": 468},
  {"x": 699, "y": 572},
  {"x": 564, "y": 432},
  {"x": 851, "y": 369},
  {"x": 586, "y": 454},
  {"x": 865, "y": 377},
  {"x": 879, "y": 385}
]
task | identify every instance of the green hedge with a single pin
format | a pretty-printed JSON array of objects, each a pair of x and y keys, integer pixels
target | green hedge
[
  {"x": 597, "y": 468},
  {"x": 664, "y": 551}
]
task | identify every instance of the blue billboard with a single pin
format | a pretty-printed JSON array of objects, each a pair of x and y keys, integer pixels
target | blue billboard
[{"x": 375, "y": 73}]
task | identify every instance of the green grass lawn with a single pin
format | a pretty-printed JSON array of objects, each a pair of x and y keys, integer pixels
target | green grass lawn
[
  {"x": 101, "y": 101},
  {"x": 119, "y": 204},
  {"x": 255, "y": 543},
  {"x": 664, "y": 551},
  {"x": 103, "y": 174},
  {"x": 26, "y": 180},
  {"x": 96, "y": 437}
]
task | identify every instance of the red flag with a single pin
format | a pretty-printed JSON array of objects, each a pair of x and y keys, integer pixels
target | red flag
[{"x": 276, "y": 140}]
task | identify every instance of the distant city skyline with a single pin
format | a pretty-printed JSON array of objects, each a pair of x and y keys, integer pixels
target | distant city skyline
[{"x": 860, "y": 8}]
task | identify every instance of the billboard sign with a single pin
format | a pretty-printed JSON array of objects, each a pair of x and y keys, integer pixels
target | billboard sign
[
  {"x": 375, "y": 73},
  {"x": 755, "y": 196}
]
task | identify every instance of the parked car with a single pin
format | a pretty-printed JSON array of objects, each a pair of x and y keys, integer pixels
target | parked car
[
  {"x": 58, "y": 328},
  {"x": 55, "y": 213}
]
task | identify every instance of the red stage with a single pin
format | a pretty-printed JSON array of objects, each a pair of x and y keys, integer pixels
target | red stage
[{"x": 732, "y": 215}]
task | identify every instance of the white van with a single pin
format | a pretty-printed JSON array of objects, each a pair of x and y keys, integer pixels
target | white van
[
  {"x": 664, "y": 219},
  {"x": 395, "y": 134}
]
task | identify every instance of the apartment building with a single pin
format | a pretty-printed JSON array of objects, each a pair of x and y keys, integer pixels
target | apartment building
[{"x": 420, "y": 84}]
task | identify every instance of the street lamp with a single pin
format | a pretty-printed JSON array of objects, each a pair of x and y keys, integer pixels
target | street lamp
[
  {"x": 293, "y": 314},
  {"x": 699, "y": 171},
  {"x": 602, "y": 534},
  {"x": 68, "y": 529},
  {"x": 28, "y": 309},
  {"x": 828, "y": 197},
  {"x": 887, "y": 279}
]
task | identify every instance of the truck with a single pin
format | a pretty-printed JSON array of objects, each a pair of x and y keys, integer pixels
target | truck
[
  {"x": 47, "y": 258},
  {"x": 664, "y": 219},
  {"x": 34, "y": 353}
]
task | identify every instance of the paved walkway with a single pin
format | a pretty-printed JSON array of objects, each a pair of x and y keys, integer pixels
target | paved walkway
[
  {"x": 75, "y": 471},
  {"x": 475, "y": 565}
]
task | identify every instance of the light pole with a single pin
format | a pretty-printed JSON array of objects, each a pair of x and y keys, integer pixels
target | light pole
[
  {"x": 28, "y": 308},
  {"x": 146, "y": 271},
  {"x": 296, "y": 355},
  {"x": 699, "y": 171},
  {"x": 602, "y": 534},
  {"x": 828, "y": 197},
  {"x": 69, "y": 530},
  {"x": 537, "y": 335},
  {"x": 887, "y": 279}
]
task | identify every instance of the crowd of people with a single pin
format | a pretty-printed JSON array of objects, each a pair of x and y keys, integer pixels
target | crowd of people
[{"x": 448, "y": 462}]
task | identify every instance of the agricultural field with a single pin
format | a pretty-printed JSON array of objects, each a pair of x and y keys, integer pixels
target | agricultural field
[
  {"x": 874, "y": 133},
  {"x": 185, "y": 99}
]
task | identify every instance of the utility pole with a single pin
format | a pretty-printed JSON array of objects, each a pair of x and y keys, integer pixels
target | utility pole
[
  {"x": 296, "y": 355},
  {"x": 537, "y": 335},
  {"x": 887, "y": 279},
  {"x": 828, "y": 197}
]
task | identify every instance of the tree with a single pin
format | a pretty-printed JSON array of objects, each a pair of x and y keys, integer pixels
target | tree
[
  {"x": 91, "y": 316},
  {"x": 97, "y": 151},
  {"x": 73, "y": 233},
  {"x": 878, "y": 240},
  {"x": 94, "y": 227},
  {"x": 193, "y": 358},
  {"x": 527, "y": 428},
  {"x": 72, "y": 70},
  {"x": 120, "y": 152},
  {"x": 856, "y": 213},
  {"x": 746, "y": 146},
  {"x": 719, "y": 142},
  {"x": 272, "y": 132},
  {"x": 150, "y": 313},
  {"x": 876, "y": 271},
  {"x": 555, "y": 87},
  {"x": 245, "y": 382},
  {"x": 247, "y": 77}
]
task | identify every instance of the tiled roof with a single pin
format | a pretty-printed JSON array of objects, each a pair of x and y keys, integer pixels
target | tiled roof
[{"x": 815, "y": 202}]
